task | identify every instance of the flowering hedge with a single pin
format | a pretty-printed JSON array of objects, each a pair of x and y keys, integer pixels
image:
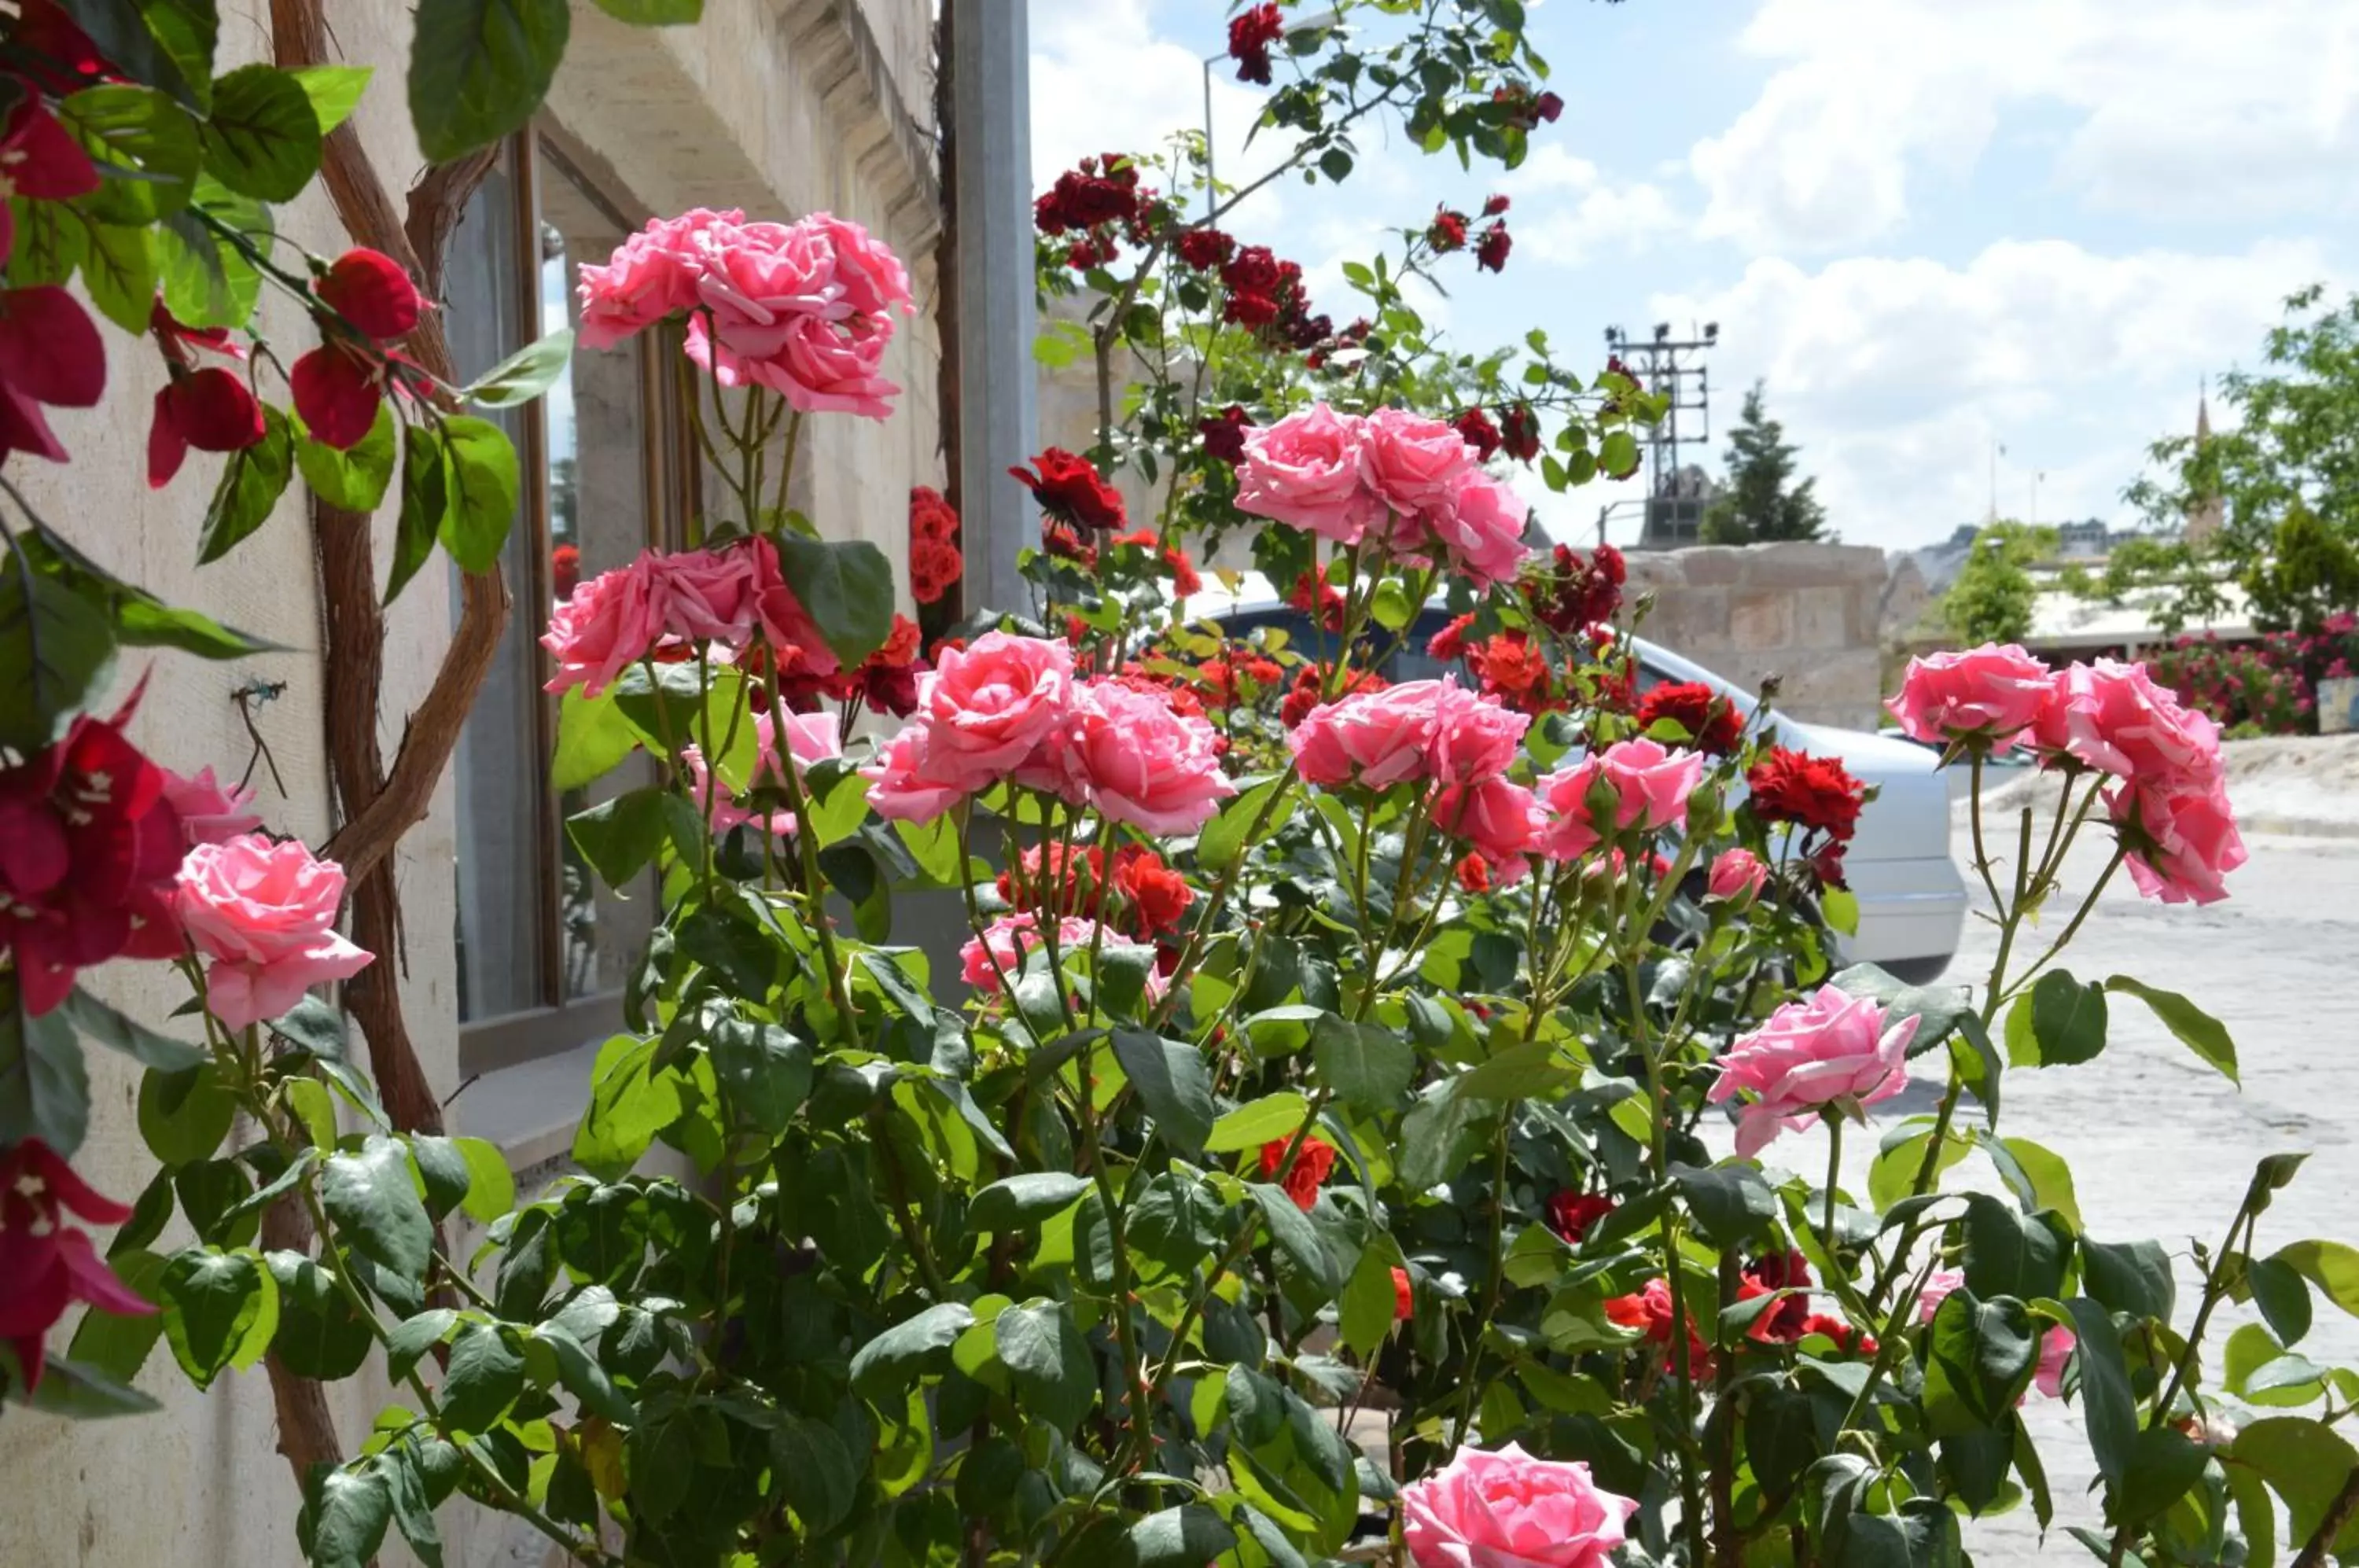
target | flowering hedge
[
  {"x": 1322, "y": 1045},
  {"x": 2269, "y": 687}
]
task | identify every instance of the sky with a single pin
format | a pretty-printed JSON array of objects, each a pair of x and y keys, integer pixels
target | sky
[{"x": 1931, "y": 227}]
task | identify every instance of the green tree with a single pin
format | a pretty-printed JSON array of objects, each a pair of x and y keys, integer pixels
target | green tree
[
  {"x": 1993, "y": 597},
  {"x": 2286, "y": 475},
  {"x": 1762, "y": 502}
]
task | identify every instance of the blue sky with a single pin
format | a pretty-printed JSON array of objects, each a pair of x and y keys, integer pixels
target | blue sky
[{"x": 1930, "y": 224}]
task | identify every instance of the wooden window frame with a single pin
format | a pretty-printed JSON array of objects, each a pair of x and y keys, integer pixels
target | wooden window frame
[{"x": 670, "y": 476}]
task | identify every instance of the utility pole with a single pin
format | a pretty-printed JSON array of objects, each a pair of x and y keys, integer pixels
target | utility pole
[
  {"x": 1668, "y": 367},
  {"x": 1997, "y": 451}
]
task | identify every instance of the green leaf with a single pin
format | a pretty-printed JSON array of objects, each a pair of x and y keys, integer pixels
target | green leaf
[
  {"x": 86, "y": 1393},
  {"x": 630, "y": 1102},
  {"x": 484, "y": 484},
  {"x": 1048, "y": 1361},
  {"x": 1224, "y": 838},
  {"x": 1173, "y": 1082},
  {"x": 2107, "y": 1404},
  {"x": 120, "y": 268},
  {"x": 593, "y": 736},
  {"x": 1257, "y": 1122},
  {"x": 405, "y": 1472},
  {"x": 118, "y": 1346},
  {"x": 1530, "y": 1070},
  {"x": 1365, "y": 1065},
  {"x": 220, "y": 1308},
  {"x": 425, "y": 501},
  {"x": 653, "y": 13},
  {"x": 1439, "y": 1136},
  {"x": 2129, "y": 1277},
  {"x": 2283, "y": 1296},
  {"x": 320, "y": 1336},
  {"x": 1369, "y": 1306},
  {"x": 376, "y": 1208},
  {"x": 2330, "y": 1266},
  {"x": 847, "y": 587},
  {"x": 44, "y": 1087},
  {"x": 1291, "y": 1232},
  {"x": 249, "y": 489},
  {"x": 886, "y": 1364},
  {"x": 2039, "y": 1177},
  {"x": 485, "y": 1374},
  {"x": 2197, "y": 1029},
  {"x": 185, "y": 1114},
  {"x": 334, "y": 91},
  {"x": 2008, "y": 1253},
  {"x": 818, "y": 1470},
  {"x": 618, "y": 837},
  {"x": 479, "y": 69},
  {"x": 146, "y": 148},
  {"x": 2305, "y": 1463},
  {"x": 1188, "y": 1536},
  {"x": 765, "y": 1071},
  {"x": 167, "y": 44},
  {"x": 356, "y": 479},
  {"x": 1023, "y": 1202},
  {"x": 207, "y": 280},
  {"x": 120, "y": 1031},
  {"x": 140, "y": 619},
  {"x": 411, "y": 1339},
  {"x": 2067, "y": 1020},
  {"x": 345, "y": 1515},
  {"x": 262, "y": 138},
  {"x": 1982, "y": 1354},
  {"x": 491, "y": 1185},
  {"x": 1731, "y": 1204},
  {"x": 56, "y": 647},
  {"x": 523, "y": 375}
]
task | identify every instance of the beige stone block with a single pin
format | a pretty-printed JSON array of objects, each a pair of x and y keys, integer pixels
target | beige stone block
[
  {"x": 1712, "y": 565},
  {"x": 1689, "y": 621},
  {"x": 1761, "y": 623},
  {"x": 1832, "y": 687},
  {"x": 1796, "y": 565},
  {"x": 1823, "y": 616}
]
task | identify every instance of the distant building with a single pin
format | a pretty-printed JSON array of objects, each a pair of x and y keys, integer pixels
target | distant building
[
  {"x": 1675, "y": 517},
  {"x": 2203, "y": 519}
]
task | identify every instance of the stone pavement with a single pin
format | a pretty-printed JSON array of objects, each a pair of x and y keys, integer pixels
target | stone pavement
[{"x": 2161, "y": 1146}]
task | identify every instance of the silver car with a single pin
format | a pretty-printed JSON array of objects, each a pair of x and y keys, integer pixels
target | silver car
[{"x": 1912, "y": 897}]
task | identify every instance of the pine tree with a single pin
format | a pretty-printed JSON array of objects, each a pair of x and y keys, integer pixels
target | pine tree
[{"x": 1757, "y": 504}]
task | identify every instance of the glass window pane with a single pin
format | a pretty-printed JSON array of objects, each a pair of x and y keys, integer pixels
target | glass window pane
[
  {"x": 599, "y": 423},
  {"x": 502, "y": 821}
]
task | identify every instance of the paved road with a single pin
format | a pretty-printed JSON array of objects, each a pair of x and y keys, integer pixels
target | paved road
[{"x": 2161, "y": 1146}]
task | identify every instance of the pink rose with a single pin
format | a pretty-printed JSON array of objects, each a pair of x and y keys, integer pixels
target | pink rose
[
  {"x": 609, "y": 624},
  {"x": 1412, "y": 464},
  {"x": 2056, "y": 1347},
  {"x": 785, "y": 624},
  {"x": 1306, "y": 470},
  {"x": 1809, "y": 1055},
  {"x": 1567, "y": 798},
  {"x": 810, "y": 737},
  {"x": 651, "y": 276},
  {"x": 1007, "y": 940},
  {"x": 1475, "y": 735},
  {"x": 208, "y": 814},
  {"x": 2113, "y": 717},
  {"x": 1480, "y": 530},
  {"x": 1938, "y": 1286},
  {"x": 1376, "y": 738},
  {"x": 900, "y": 789},
  {"x": 872, "y": 279},
  {"x": 1507, "y": 1510},
  {"x": 2183, "y": 839},
  {"x": 1736, "y": 876},
  {"x": 988, "y": 707},
  {"x": 1127, "y": 754},
  {"x": 1996, "y": 692},
  {"x": 779, "y": 306},
  {"x": 1498, "y": 819},
  {"x": 266, "y": 914},
  {"x": 1652, "y": 782}
]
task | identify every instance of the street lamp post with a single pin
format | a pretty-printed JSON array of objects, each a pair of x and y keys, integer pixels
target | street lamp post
[{"x": 1317, "y": 23}]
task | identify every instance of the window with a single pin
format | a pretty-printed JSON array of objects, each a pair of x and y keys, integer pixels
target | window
[{"x": 542, "y": 948}]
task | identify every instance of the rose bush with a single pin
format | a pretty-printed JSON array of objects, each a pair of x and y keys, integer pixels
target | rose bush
[{"x": 1328, "y": 1058}]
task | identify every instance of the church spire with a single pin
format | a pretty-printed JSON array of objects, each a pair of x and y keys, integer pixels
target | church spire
[{"x": 2205, "y": 516}]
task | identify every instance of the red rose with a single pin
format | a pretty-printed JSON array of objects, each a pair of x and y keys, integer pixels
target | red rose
[
  {"x": 1826, "y": 865},
  {"x": 1404, "y": 1297},
  {"x": 1650, "y": 1309},
  {"x": 1849, "y": 1340},
  {"x": 1224, "y": 434},
  {"x": 1160, "y": 895},
  {"x": 1314, "y": 595},
  {"x": 1570, "y": 1215},
  {"x": 1474, "y": 874},
  {"x": 565, "y": 570},
  {"x": 1814, "y": 792},
  {"x": 1549, "y": 107},
  {"x": 1071, "y": 490},
  {"x": 1184, "y": 580},
  {"x": 1782, "y": 1323},
  {"x": 930, "y": 516},
  {"x": 934, "y": 566},
  {"x": 1513, "y": 668},
  {"x": 1495, "y": 205},
  {"x": 1251, "y": 32},
  {"x": 1519, "y": 432},
  {"x": 1712, "y": 721},
  {"x": 1205, "y": 249},
  {"x": 1450, "y": 642},
  {"x": 1491, "y": 250},
  {"x": 1475, "y": 429},
  {"x": 45, "y": 1265},
  {"x": 1447, "y": 231},
  {"x": 1312, "y": 1163}
]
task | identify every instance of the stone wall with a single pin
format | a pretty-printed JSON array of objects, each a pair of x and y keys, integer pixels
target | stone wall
[
  {"x": 1804, "y": 612},
  {"x": 779, "y": 106}
]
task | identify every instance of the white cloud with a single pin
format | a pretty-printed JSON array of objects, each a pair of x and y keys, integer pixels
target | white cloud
[
  {"x": 2180, "y": 108},
  {"x": 1567, "y": 210},
  {"x": 1896, "y": 374}
]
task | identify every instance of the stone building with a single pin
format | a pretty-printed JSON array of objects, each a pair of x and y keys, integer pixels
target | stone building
[{"x": 781, "y": 107}]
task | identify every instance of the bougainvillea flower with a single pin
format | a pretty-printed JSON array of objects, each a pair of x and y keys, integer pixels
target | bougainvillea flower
[
  {"x": 45, "y": 1265},
  {"x": 39, "y": 160},
  {"x": 337, "y": 389},
  {"x": 371, "y": 292},
  {"x": 210, "y": 409}
]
